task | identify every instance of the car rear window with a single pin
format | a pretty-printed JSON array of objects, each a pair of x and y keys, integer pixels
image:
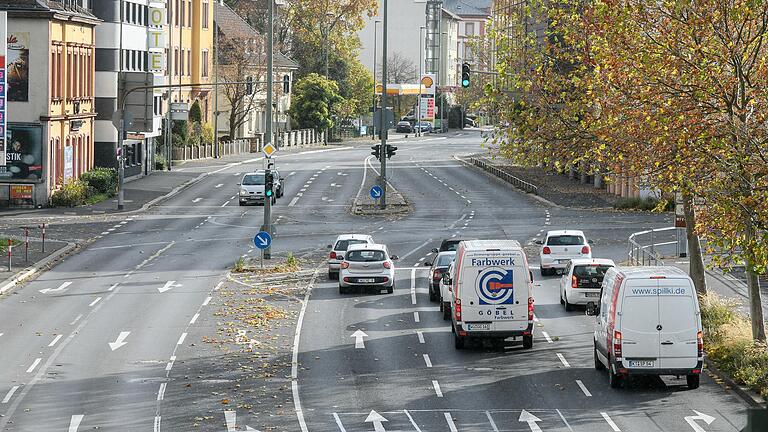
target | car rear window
[
  {"x": 449, "y": 245},
  {"x": 366, "y": 255},
  {"x": 253, "y": 179},
  {"x": 343, "y": 245},
  {"x": 589, "y": 271},
  {"x": 565, "y": 240},
  {"x": 444, "y": 260}
]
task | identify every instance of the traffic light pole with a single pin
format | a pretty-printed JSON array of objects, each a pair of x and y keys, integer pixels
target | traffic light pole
[
  {"x": 383, "y": 125},
  {"x": 268, "y": 135}
]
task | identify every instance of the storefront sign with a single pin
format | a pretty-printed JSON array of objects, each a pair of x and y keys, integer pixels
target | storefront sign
[
  {"x": 428, "y": 84},
  {"x": 18, "y": 67},
  {"x": 22, "y": 191},
  {"x": 24, "y": 155},
  {"x": 427, "y": 108}
]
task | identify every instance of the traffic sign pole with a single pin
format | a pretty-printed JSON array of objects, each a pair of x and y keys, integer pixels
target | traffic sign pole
[
  {"x": 384, "y": 128},
  {"x": 267, "y": 253}
]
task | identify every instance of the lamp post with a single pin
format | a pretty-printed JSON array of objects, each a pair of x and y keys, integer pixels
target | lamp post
[
  {"x": 375, "y": 43},
  {"x": 421, "y": 65}
]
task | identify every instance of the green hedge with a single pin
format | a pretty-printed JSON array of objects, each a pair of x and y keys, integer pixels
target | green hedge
[
  {"x": 101, "y": 180},
  {"x": 73, "y": 193}
]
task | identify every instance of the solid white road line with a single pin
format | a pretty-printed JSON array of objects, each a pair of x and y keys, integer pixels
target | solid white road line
[
  {"x": 436, "y": 386},
  {"x": 416, "y": 316},
  {"x": 563, "y": 360},
  {"x": 207, "y": 300},
  {"x": 74, "y": 422},
  {"x": 295, "y": 359},
  {"x": 181, "y": 339},
  {"x": 610, "y": 422},
  {"x": 490, "y": 420},
  {"x": 93, "y": 303},
  {"x": 421, "y": 336},
  {"x": 56, "y": 339},
  {"x": 449, "y": 420},
  {"x": 161, "y": 391},
  {"x": 416, "y": 427},
  {"x": 427, "y": 360},
  {"x": 338, "y": 423},
  {"x": 157, "y": 424},
  {"x": 169, "y": 366},
  {"x": 34, "y": 365},
  {"x": 293, "y": 202},
  {"x": 583, "y": 388},
  {"x": 194, "y": 318},
  {"x": 546, "y": 336},
  {"x": 413, "y": 286},
  {"x": 9, "y": 395}
]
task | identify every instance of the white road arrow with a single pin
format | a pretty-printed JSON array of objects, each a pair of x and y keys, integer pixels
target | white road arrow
[
  {"x": 231, "y": 419},
  {"x": 531, "y": 419},
  {"x": 61, "y": 288},
  {"x": 377, "y": 420},
  {"x": 691, "y": 420},
  {"x": 359, "y": 335},
  {"x": 120, "y": 341},
  {"x": 168, "y": 286},
  {"x": 74, "y": 423}
]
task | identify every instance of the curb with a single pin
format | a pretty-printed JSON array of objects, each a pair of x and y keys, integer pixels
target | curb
[
  {"x": 750, "y": 397},
  {"x": 36, "y": 267}
]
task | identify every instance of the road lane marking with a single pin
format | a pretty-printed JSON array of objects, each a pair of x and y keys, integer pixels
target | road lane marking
[
  {"x": 235, "y": 174},
  {"x": 338, "y": 423},
  {"x": 56, "y": 339},
  {"x": 610, "y": 422},
  {"x": 427, "y": 360},
  {"x": 113, "y": 287},
  {"x": 416, "y": 316},
  {"x": 225, "y": 204},
  {"x": 98, "y": 299},
  {"x": 420, "y": 334},
  {"x": 34, "y": 365},
  {"x": 120, "y": 341},
  {"x": 563, "y": 360},
  {"x": 449, "y": 420},
  {"x": 565, "y": 422},
  {"x": 436, "y": 386},
  {"x": 413, "y": 286},
  {"x": 416, "y": 427},
  {"x": 169, "y": 366},
  {"x": 194, "y": 318},
  {"x": 295, "y": 357},
  {"x": 76, "y": 319},
  {"x": 293, "y": 202},
  {"x": 74, "y": 422},
  {"x": 181, "y": 338},
  {"x": 218, "y": 285},
  {"x": 10, "y": 393},
  {"x": 161, "y": 391},
  {"x": 157, "y": 424},
  {"x": 61, "y": 287},
  {"x": 546, "y": 336},
  {"x": 197, "y": 200},
  {"x": 207, "y": 300},
  {"x": 583, "y": 388},
  {"x": 2, "y": 334},
  {"x": 219, "y": 185},
  {"x": 490, "y": 420}
]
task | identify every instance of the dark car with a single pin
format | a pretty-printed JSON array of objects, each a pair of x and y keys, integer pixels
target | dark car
[
  {"x": 403, "y": 127},
  {"x": 448, "y": 245},
  {"x": 437, "y": 268},
  {"x": 425, "y": 127}
]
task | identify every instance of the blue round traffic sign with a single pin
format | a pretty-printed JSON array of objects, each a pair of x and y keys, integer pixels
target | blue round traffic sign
[
  {"x": 376, "y": 192},
  {"x": 262, "y": 240}
]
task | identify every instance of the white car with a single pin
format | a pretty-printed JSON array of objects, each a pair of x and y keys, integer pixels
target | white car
[
  {"x": 339, "y": 248},
  {"x": 446, "y": 292},
  {"x": 582, "y": 280},
  {"x": 367, "y": 265},
  {"x": 252, "y": 188},
  {"x": 560, "y": 247}
]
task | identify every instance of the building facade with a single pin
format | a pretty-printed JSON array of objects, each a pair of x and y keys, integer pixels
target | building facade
[
  {"x": 190, "y": 56},
  {"x": 50, "y": 112}
]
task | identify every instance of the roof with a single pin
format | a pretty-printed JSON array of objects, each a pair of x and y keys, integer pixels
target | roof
[
  {"x": 650, "y": 271},
  {"x": 587, "y": 261},
  {"x": 353, "y": 237},
  {"x": 369, "y": 246},
  {"x": 469, "y": 8},
  {"x": 472, "y": 245},
  {"x": 46, "y": 6},
  {"x": 565, "y": 232},
  {"x": 446, "y": 253}
]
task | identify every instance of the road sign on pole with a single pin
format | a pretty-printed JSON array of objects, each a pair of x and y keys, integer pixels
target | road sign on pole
[
  {"x": 262, "y": 240},
  {"x": 269, "y": 150},
  {"x": 376, "y": 192}
]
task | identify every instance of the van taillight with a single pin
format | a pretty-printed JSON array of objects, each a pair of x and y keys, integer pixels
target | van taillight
[
  {"x": 457, "y": 309},
  {"x": 700, "y": 344},
  {"x": 344, "y": 265},
  {"x": 617, "y": 345},
  {"x": 530, "y": 308},
  {"x": 546, "y": 250},
  {"x": 585, "y": 249},
  {"x": 574, "y": 282},
  {"x": 332, "y": 255},
  {"x": 387, "y": 264}
]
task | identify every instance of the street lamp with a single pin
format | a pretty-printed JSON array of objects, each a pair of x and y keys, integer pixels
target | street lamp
[
  {"x": 421, "y": 65},
  {"x": 375, "y": 43}
]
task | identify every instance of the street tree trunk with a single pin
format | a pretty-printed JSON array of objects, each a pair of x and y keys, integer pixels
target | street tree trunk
[
  {"x": 753, "y": 287},
  {"x": 696, "y": 259}
]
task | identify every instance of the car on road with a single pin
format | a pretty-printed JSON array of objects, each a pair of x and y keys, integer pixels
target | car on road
[
  {"x": 403, "y": 127},
  {"x": 560, "y": 247},
  {"x": 448, "y": 245},
  {"x": 339, "y": 248},
  {"x": 492, "y": 293},
  {"x": 581, "y": 281},
  {"x": 468, "y": 122},
  {"x": 367, "y": 265},
  {"x": 252, "y": 188},
  {"x": 446, "y": 292},
  {"x": 279, "y": 184},
  {"x": 423, "y": 127},
  {"x": 648, "y": 323},
  {"x": 436, "y": 270}
]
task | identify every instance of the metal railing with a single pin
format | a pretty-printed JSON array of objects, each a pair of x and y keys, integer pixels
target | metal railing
[
  {"x": 650, "y": 252},
  {"x": 507, "y": 177}
]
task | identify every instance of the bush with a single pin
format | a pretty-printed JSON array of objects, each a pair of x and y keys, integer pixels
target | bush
[
  {"x": 645, "y": 204},
  {"x": 195, "y": 113},
  {"x": 161, "y": 163},
  {"x": 101, "y": 180},
  {"x": 73, "y": 193}
]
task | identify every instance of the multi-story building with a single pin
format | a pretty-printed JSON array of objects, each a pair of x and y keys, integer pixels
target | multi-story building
[
  {"x": 124, "y": 43},
  {"x": 474, "y": 16},
  {"x": 50, "y": 97}
]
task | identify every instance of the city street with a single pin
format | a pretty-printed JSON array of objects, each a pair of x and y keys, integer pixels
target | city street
[{"x": 103, "y": 340}]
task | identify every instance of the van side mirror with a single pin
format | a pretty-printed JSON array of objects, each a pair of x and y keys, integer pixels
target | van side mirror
[
  {"x": 592, "y": 309},
  {"x": 434, "y": 250}
]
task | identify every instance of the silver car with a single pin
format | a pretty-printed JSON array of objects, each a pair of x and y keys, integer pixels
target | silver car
[
  {"x": 367, "y": 265},
  {"x": 339, "y": 248}
]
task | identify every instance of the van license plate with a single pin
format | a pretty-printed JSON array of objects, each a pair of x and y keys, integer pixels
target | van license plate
[
  {"x": 592, "y": 294},
  {"x": 642, "y": 363},
  {"x": 366, "y": 280},
  {"x": 483, "y": 326}
]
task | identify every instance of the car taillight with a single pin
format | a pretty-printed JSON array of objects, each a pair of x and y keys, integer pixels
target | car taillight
[
  {"x": 700, "y": 343},
  {"x": 546, "y": 250},
  {"x": 387, "y": 264},
  {"x": 585, "y": 249},
  {"x": 530, "y": 308},
  {"x": 617, "y": 345},
  {"x": 332, "y": 255},
  {"x": 457, "y": 309},
  {"x": 344, "y": 265},
  {"x": 574, "y": 282}
]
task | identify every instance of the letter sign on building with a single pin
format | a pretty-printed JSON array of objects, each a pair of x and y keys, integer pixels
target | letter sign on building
[{"x": 156, "y": 38}]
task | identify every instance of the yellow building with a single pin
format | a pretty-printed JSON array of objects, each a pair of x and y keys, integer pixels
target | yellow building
[{"x": 51, "y": 71}]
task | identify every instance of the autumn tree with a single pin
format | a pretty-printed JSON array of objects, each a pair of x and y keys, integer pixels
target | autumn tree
[
  {"x": 314, "y": 100},
  {"x": 241, "y": 58}
]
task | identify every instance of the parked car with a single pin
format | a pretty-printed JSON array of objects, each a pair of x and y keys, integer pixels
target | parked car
[
  {"x": 448, "y": 245},
  {"x": 252, "y": 189},
  {"x": 367, "y": 265},
  {"x": 423, "y": 127},
  {"x": 436, "y": 270},
  {"x": 403, "y": 127},
  {"x": 446, "y": 292},
  {"x": 581, "y": 281},
  {"x": 648, "y": 323},
  {"x": 339, "y": 248},
  {"x": 560, "y": 247},
  {"x": 279, "y": 184},
  {"x": 468, "y": 122}
]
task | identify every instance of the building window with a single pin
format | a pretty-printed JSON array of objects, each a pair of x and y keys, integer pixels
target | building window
[
  {"x": 189, "y": 62},
  {"x": 204, "y": 64},
  {"x": 189, "y": 14},
  {"x": 469, "y": 29},
  {"x": 175, "y": 61},
  {"x": 206, "y": 14},
  {"x": 178, "y": 10}
]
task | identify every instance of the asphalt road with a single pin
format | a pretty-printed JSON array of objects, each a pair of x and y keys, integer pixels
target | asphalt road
[{"x": 92, "y": 343}]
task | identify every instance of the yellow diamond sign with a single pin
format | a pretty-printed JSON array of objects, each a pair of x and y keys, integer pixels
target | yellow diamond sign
[{"x": 269, "y": 150}]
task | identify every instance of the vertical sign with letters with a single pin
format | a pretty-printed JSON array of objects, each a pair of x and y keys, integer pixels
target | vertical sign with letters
[{"x": 156, "y": 38}]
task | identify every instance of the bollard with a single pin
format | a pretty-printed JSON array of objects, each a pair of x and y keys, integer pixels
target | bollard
[
  {"x": 26, "y": 244},
  {"x": 43, "y": 227},
  {"x": 10, "y": 246}
]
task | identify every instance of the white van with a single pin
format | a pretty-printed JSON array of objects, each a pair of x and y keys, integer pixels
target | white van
[
  {"x": 648, "y": 323},
  {"x": 492, "y": 292}
]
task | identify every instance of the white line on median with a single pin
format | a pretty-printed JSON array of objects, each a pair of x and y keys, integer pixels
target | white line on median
[
  {"x": 421, "y": 336},
  {"x": 207, "y": 300},
  {"x": 449, "y": 420},
  {"x": 181, "y": 339},
  {"x": 583, "y": 388},
  {"x": 225, "y": 204},
  {"x": 113, "y": 287},
  {"x": 563, "y": 360},
  {"x": 416, "y": 316},
  {"x": 56, "y": 339},
  {"x": 338, "y": 423},
  {"x": 546, "y": 336},
  {"x": 427, "y": 360},
  {"x": 157, "y": 424},
  {"x": 415, "y": 426},
  {"x": 76, "y": 319},
  {"x": 413, "y": 286},
  {"x": 610, "y": 422},
  {"x": 74, "y": 422},
  {"x": 169, "y": 366},
  {"x": 490, "y": 420},
  {"x": 218, "y": 285},
  {"x": 293, "y": 202},
  {"x": 10, "y": 393},
  {"x": 98, "y": 299},
  {"x": 34, "y": 365},
  {"x": 436, "y": 386},
  {"x": 161, "y": 391},
  {"x": 194, "y": 318}
]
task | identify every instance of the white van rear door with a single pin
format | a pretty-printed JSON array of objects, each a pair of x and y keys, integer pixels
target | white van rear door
[
  {"x": 639, "y": 321},
  {"x": 678, "y": 319}
]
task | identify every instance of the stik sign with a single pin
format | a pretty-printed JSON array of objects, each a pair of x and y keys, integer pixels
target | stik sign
[{"x": 3, "y": 84}]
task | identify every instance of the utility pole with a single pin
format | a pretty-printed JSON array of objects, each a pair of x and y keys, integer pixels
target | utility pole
[
  {"x": 216, "y": 79},
  {"x": 384, "y": 128},
  {"x": 268, "y": 135},
  {"x": 421, "y": 75},
  {"x": 375, "y": 42}
]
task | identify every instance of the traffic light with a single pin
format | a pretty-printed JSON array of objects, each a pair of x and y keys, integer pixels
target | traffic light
[
  {"x": 286, "y": 84},
  {"x": 269, "y": 184},
  {"x": 376, "y": 151},
  {"x": 249, "y": 85},
  {"x": 391, "y": 150},
  {"x": 465, "y": 71}
]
